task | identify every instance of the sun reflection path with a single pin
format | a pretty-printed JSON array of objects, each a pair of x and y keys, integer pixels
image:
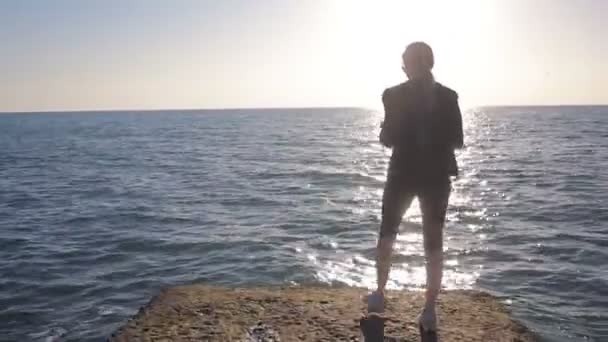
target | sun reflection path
[{"x": 348, "y": 260}]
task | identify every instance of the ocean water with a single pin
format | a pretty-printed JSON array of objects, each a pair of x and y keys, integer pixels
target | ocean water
[{"x": 100, "y": 210}]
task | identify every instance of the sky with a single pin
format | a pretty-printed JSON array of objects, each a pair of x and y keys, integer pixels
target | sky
[{"x": 159, "y": 54}]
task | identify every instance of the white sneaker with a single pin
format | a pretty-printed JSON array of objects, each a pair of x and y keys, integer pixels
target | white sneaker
[
  {"x": 375, "y": 302},
  {"x": 428, "y": 319}
]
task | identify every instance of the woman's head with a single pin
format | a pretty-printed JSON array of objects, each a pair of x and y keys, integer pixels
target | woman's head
[{"x": 418, "y": 61}]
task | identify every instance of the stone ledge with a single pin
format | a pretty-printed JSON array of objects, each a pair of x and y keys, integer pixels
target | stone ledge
[{"x": 207, "y": 313}]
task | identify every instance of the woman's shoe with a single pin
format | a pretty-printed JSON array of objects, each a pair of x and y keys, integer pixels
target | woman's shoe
[
  {"x": 427, "y": 324},
  {"x": 375, "y": 303}
]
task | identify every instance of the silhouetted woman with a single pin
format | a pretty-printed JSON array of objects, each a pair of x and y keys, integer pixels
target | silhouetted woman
[{"x": 423, "y": 125}]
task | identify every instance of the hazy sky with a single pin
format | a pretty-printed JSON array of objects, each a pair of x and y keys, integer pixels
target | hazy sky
[{"x": 144, "y": 54}]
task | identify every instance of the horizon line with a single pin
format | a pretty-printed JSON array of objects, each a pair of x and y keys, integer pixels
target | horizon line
[{"x": 190, "y": 109}]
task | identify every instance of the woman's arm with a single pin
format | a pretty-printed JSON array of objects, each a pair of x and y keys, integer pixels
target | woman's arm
[
  {"x": 457, "y": 135},
  {"x": 386, "y": 136}
]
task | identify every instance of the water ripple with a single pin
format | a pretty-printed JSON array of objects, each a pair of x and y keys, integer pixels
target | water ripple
[{"x": 99, "y": 211}]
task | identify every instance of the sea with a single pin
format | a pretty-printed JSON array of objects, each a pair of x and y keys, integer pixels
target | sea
[{"x": 100, "y": 210}]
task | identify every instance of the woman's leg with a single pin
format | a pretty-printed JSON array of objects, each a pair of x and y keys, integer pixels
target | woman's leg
[
  {"x": 433, "y": 203},
  {"x": 384, "y": 252},
  {"x": 395, "y": 201}
]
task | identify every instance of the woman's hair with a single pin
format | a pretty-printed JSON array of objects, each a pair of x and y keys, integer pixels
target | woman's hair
[{"x": 418, "y": 62}]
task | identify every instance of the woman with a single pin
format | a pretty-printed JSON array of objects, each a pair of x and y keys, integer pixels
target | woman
[{"x": 423, "y": 126}]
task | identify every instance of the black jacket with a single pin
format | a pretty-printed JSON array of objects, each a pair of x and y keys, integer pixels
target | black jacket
[{"x": 423, "y": 131}]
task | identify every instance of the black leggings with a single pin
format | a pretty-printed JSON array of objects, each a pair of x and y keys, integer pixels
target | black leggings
[{"x": 400, "y": 190}]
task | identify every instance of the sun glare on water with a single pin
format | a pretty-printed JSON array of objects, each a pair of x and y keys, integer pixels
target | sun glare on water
[{"x": 348, "y": 257}]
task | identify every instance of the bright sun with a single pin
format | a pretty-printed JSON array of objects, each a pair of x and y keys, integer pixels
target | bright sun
[{"x": 375, "y": 33}]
